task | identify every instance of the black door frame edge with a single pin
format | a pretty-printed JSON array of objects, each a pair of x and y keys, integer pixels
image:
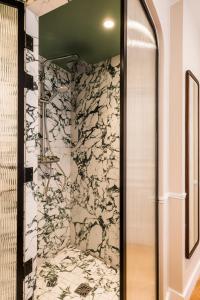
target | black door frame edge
[
  {"x": 123, "y": 139},
  {"x": 21, "y": 153},
  {"x": 123, "y": 146},
  {"x": 20, "y": 147}
]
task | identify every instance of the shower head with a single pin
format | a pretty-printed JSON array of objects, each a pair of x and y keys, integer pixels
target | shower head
[
  {"x": 71, "y": 58},
  {"x": 59, "y": 90},
  {"x": 70, "y": 61},
  {"x": 67, "y": 60}
]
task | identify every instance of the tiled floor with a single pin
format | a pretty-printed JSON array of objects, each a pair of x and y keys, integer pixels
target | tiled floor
[
  {"x": 196, "y": 292},
  {"x": 58, "y": 278}
]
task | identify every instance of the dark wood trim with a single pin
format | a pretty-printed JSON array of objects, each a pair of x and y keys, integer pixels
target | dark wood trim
[
  {"x": 20, "y": 171},
  {"x": 123, "y": 146},
  {"x": 189, "y": 253}
]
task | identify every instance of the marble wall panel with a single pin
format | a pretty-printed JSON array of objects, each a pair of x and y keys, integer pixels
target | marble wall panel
[
  {"x": 83, "y": 126},
  {"x": 31, "y": 138},
  {"x": 95, "y": 160},
  {"x": 54, "y": 180}
]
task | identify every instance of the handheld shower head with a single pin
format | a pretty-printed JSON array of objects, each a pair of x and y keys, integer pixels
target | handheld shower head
[{"x": 62, "y": 89}]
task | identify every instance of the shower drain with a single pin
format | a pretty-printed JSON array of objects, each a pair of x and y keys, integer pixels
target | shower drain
[{"x": 83, "y": 290}]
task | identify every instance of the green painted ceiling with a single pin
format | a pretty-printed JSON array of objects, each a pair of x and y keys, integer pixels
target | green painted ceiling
[{"x": 76, "y": 28}]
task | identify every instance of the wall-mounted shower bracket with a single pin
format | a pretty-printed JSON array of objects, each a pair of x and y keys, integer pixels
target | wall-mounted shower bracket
[
  {"x": 28, "y": 174},
  {"x": 28, "y": 267},
  {"x": 28, "y": 81},
  {"x": 42, "y": 101},
  {"x": 48, "y": 159},
  {"x": 29, "y": 42}
]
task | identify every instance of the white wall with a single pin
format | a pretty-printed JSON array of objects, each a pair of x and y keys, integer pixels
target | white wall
[
  {"x": 176, "y": 156},
  {"x": 191, "y": 61},
  {"x": 185, "y": 49},
  {"x": 179, "y": 44},
  {"x": 178, "y": 275}
]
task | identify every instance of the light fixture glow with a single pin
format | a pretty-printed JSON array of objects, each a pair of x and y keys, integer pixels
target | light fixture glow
[
  {"x": 108, "y": 23},
  {"x": 140, "y": 44},
  {"x": 141, "y": 28}
]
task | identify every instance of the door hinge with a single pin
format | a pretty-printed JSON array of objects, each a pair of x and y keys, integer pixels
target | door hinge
[
  {"x": 28, "y": 175},
  {"x": 28, "y": 267},
  {"x": 28, "y": 42},
  {"x": 29, "y": 83}
]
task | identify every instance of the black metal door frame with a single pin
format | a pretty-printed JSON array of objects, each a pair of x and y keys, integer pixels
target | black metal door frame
[
  {"x": 123, "y": 148},
  {"x": 21, "y": 142},
  {"x": 123, "y": 140},
  {"x": 20, "y": 155}
]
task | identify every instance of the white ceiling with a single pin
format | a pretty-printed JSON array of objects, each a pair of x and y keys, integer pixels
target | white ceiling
[{"x": 42, "y": 7}]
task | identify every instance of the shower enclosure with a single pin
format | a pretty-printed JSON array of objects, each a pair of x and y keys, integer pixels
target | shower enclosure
[{"x": 91, "y": 147}]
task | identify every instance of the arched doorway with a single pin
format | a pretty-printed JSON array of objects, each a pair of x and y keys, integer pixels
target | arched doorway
[{"x": 140, "y": 155}]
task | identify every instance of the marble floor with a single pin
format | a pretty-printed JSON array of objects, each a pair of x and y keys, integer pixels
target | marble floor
[{"x": 59, "y": 277}]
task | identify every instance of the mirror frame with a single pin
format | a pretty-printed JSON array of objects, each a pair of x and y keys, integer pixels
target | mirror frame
[{"x": 189, "y": 252}]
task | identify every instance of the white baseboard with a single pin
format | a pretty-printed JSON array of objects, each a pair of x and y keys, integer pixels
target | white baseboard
[
  {"x": 192, "y": 282},
  {"x": 174, "y": 295}
]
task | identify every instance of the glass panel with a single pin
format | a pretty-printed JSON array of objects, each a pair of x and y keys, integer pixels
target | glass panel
[
  {"x": 8, "y": 149},
  {"x": 141, "y": 157}
]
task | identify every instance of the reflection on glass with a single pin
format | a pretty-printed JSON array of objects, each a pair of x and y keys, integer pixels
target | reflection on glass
[
  {"x": 141, "y": 155},
  {"x": 8, "y": 150}
]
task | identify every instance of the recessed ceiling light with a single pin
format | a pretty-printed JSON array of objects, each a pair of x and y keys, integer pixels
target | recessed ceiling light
[{"x": 108, "y": 23}]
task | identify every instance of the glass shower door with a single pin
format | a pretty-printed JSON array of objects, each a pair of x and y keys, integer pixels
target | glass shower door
[
  {"x": 9, "y": 150},
  {"x": 141, "y": 154}
]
